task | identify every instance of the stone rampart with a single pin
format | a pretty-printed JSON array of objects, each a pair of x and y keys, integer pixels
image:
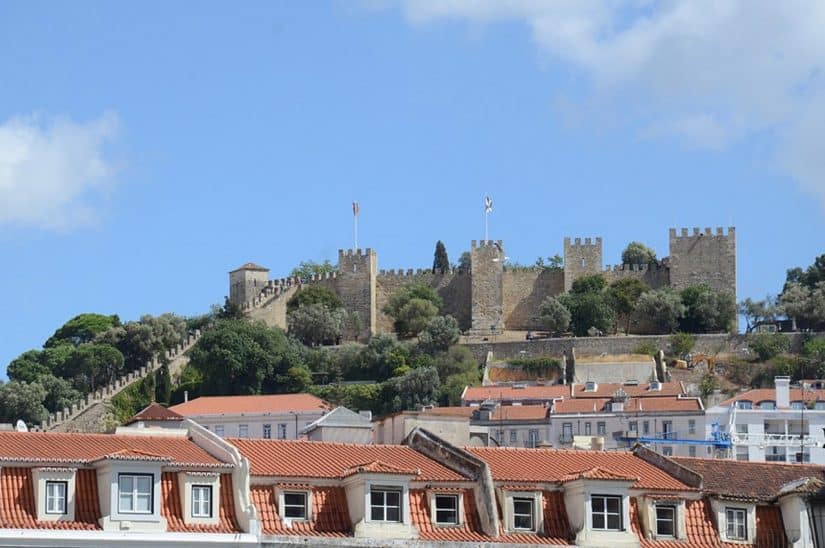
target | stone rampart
[
  {"x": 703, "y": 257},
  {"x": 453, "y": 287},
  {"x": 656, "y": 275},
  {"x": 524, "y": 291}
]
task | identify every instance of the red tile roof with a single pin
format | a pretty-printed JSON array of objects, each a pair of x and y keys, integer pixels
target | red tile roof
[
  {"x": 51, "y": 447},
  {"x": 634, "y": 405},
  {"x": 463, "y": 411},
  {"x": 481, "y": 393},
  {"x": 598, "y": 473},
  {"x": 642, "y": 390},
  {"x": 155, "y": 412},
  {"x": 769, "y": 394},
  {"x": 307, "y": 459},
  {"x": 755, "y": 480},
  {"x": 250, "y": 266},
  {"x": 699, "y": 527},
  {"x": 17, "y": 507},
  {"x": 330, "y": 516},
  {"x": 268, "y": 403},
  {"x": 550, "y": 465},
  {"x": 378, "y": 467},
  {"x": 172, "y": 511}
]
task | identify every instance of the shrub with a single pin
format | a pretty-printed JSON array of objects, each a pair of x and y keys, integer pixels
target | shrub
[
  {"x": 646, "y": 347},
  {"x": 681, "y": 343},
  {"x": 768, "y": 345},
  {"x": 543, "y": 366}
]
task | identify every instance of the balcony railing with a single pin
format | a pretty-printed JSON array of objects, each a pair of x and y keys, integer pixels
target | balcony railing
[{"x": 782, "y": 440}]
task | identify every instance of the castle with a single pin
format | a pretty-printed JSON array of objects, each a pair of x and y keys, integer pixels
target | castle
[{"x": 490, "y": 297}]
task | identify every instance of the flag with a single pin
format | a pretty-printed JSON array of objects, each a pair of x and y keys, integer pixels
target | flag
[
  {"x": 356, "y": 209},
  {"x": 488, "y": 204}
]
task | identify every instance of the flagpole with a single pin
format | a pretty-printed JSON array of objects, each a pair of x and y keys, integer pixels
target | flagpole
[{"x": 355, "y": 226}]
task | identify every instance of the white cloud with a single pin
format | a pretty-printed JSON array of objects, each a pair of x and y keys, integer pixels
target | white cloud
[
  {"x": 53, "y": 172},
  {"x": 711, "y": 72}
]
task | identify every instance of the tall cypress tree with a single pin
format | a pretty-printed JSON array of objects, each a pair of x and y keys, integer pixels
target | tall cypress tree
[{"x": 440, "y": 262}]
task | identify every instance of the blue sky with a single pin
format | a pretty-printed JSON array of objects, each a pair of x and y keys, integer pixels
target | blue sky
[{"x": 148, "y": 149}]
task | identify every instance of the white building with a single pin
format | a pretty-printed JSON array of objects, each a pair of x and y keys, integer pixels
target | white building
[
  {"x": 271, "y": 416},
  {"x": 780, "y": 424}
]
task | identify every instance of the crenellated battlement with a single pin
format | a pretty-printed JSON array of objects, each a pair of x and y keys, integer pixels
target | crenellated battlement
[
  {"x": 486, "y": 243},
  {"x": 577, "y": 242},
  {"x": 695, "y": 232},
  {"x": 634, "y": 267},
  {"x": 356, "y": 252}
]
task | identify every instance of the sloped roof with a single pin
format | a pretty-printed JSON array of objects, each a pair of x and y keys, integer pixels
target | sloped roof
[
  {"x": 308, "y": 459},
  {"x": 51, "y": 447},
  {"x": 266, "y": 403},
  {"x": 633, "y": 405},
  {"x": 597, "y": 473},
  {"x": 173, "y": 512},
  {"x": 552, "y": 466},
  {"x": 749, "y": 480},
  {"x": 379, "y": 467},
  {"x": 759, "y": 395},
  {"x": 340, "y": 417},
  {"x": 330, "y": 514},
  {"x": 250, "y": 266},
  {"x": 546, "y": 392},
  {"x": 155, "y": 412},
  {"x": 641, "y": 390}
]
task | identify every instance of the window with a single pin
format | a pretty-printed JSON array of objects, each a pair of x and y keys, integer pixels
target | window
[
  {"x": 385, "y": 504},
  {"x": 692, "y": 451},
  {"x": 667, "y": 430},
  {"x": 513, "y": 436},
  {"x": 267, "y": 431},
  {"x": 282, "y": 431},
  {"x": 523, "y": 513},
  {"x": 219, "y": 430},
  {"x": 742, "y": 452},
  {"x": 135, "y": 493},
  {"x": 588, "y": 429},
  {"x": 243, "y": 430},
  {"x": 295, "y": 505},
  {"x": 744, "y": 404},
  {"x": 533, "y": 437},
  {"x": 736, "y": 519},
  {"x": 819, "y": 405},
  {"x": 665, "y": 521},
  {"x": 600, "y": 429},
  {"x": 767, "y": 405},
  {"x": 607, "y": 512},
  {"x": 446, "y": 509},
  {"x": 633, "y": 426},
  {"x": 691, "y": 426},
  {"x": 646, "y": 427},
  {"x": 667, "y": 451},
  {"x": 201, "y": 501},
  {"x": 56, "y": 497},
  {"x": 567, "y": 432}
]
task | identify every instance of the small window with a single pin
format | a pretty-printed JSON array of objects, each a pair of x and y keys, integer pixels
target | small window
[
  {"x": 736, "y": 520},
  {"x": 267, "y": 431},
  {"x": 219, "y": 430},
  {"x": 533, "y": 438},
  {"x": 201, "y": 501},
  {"x": 667, "y": 451},
  {"x": 744, "y": 404},
  {"x": 607, "y": 512},
  {"x": 741, "y": 428},
  {"x": 243, "y": 430},
  {"x": 385, "y": 504},
  {"x": 797, "y": 405},
  {"x": 588, "y": 429},
  {"x": 667, "y": 430},
  {"x": 513, "y": 436},
  {"x": 819, "y": 405},
  {"x": 135, "y": 493},
  {"x": 282, "y": 431},
  {"x": 633, "y": 426},
  {"x": 665, "y": 521},
  {"x": 742, "y": 452},
  {"x": 691, "y": 450},
  {"x": 645, "y": 427},
  {"x": 691, "y": 426},
  {"x": 446, "y": 509},
  {"x": 523, "y": 513},
  {"x": 295, "y": 505},
  {"x": 566, "y": 432},
  {"x": 601, "y": 428},
  {"x": 767, "y": 405},
  {"x": 56, "y": 497}
]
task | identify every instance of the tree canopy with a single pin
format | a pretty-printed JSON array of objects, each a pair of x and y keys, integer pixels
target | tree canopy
[
  {"x": 306, "y": 269},
  {"x": 315, "y": 324},
  {"x": 412, "y": 307},
  {"x": 441, "y": 264},
  {"x": 623, "y": 294},
  {"x": 638, "y": 253},
  {"x": 314, "y": 294},
  {"x": 662, "y": 309},
  {"x": 706, "y": 310},
  {"x": 82, "y": 328},
  {"x": 554, "y": 316}
]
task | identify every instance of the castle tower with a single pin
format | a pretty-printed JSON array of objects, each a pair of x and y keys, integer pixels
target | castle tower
[
  {"x": 487, "y": 291},
  {"x": 356, "y": 284},
  {"x": 703, "y": 258},
  {"x": 581, "y": 259},
  {"x": 247, "y": 282}
]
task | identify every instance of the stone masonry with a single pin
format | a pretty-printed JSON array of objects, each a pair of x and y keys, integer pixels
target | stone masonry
[{"x": 491, "y": 298}]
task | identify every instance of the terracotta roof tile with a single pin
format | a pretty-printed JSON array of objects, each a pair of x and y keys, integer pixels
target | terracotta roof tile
[
  {"x": 51, "y": 447},
  {"x": 17, "y": 507},
  {"x": 172, "y": 511},
  {"x": 769, "y": 394},
  {"x": 155, "y": 412},
  {"x": 330, "y": 516},
  {"x": 250, "y": 266},
  {"x": 508, "y": 393},
  {"x": 597, "y": 473},
  {"x": 379, "y": 467},
  {"x": 633, "y": 405},
  {"x": 308, "y": 459},
  {"x": 754, "y": 480},
  {"x": 699, "y": 527},
  {"x": 268, "y": 403},
  {"x": 642, "y": 390},
  {"x": 463, "y": 411},
  {"x": 550, "y": 465}
]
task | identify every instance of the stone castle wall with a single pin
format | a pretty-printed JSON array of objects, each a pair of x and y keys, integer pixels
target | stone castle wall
[
  {"x": 656, "y": 276},
  {"x": 487, "y": 287},
  {"x": 356, "y": 286},
  {"x": 524, "y": 290},
  {"x": 453, "y": 288},
  {"x": 703, "y": 257}
]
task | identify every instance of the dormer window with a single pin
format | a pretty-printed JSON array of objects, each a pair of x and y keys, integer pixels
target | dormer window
[
  {"x": 744, "y": 404},
  {"x": 385, "y": 504},
  {"x": 736, "y": 521},
  {"x": 135, "y": 493},
  {"x": 797, "y": 405},
  {"x": 665, "y": 521},
  {"x": 767, "y": 405},
  {"x": 295, "y": 506},
  {"x": 606, "y": 512},
  {"x": 200, "y": 494},
  {"x": 56, "y": 497},
  {"x": 523, "y": 511},
  {"x": 202, "y": 501},
  {"x": 590, "y": 386},
  {"x": 446, "y": 509}
]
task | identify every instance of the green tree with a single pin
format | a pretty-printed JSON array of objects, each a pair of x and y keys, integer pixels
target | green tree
[
  {"x": 756, "y": 312},
  {"x": 458, "y": 360},
  {"x": 140, "y": 341},
  {"x": 22, "y": 401},
  {"x": 411, "y": 391},
  {"x": 623, "y": 294},
  {"x": 554, "y": 316},
  {"x": 440, "y": 334},
  {"x": 706, "y": 310},
  {"x": 91, "y": 366},
  {"x": 592, "y": 283},
  {"x": 27, "y": 367},
  {"x": 465, "y": 261},
  {"x": 809, "y": 277},
  {"x": 412, "y": 307},
  {"x": 82, "y": 329},
  {"x": 163, "y": 385},
  {"x": 556, "y": 262},
  {"x": 638, "y": 253},
  {"x": 315, "y": 324},
  {"x": 814, "y": 352},
  {"x": 588, "y": 310},
  {"x": 240, "y": 357},
  {"x": 805, "y": 305},
  {"x": 59, "y": 393},
  {"x": 768, "y": 345},
  {"x": 681, "y": 343},
  {"x": 661, "y": 308},
  {"x": 306, "y": 269},
  {"x": 314, "y": 294},
  {"x": 441, "y": 264}
]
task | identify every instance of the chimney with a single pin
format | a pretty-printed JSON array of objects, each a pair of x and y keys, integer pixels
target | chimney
[{"x": 783, "y": 395}]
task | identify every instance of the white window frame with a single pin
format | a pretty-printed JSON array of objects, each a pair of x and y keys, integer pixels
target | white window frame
[
  {"x": 455, "y": 510},
  {"x": 384, "y": 505},
  {"x": 673, "y": 520},
  {"x": 199, "y": 502},
  {"x": 219, "y": 430},
  {"x": 61, "y": 498},
  {"x": 267, "y": 434},
  {"x": 243, "y": 430},
  {"x": 283, "y": 431},
  {"x": 601, "y": 428},
  {"x": 731, "y": 511},
  {"x": 135, "y": 494},
  {"x": 531, "y": 501},
  {"x": 605, "y": 513},
  {"x": 304, "y": 506},
  {"x": 691, "y": 426}
]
